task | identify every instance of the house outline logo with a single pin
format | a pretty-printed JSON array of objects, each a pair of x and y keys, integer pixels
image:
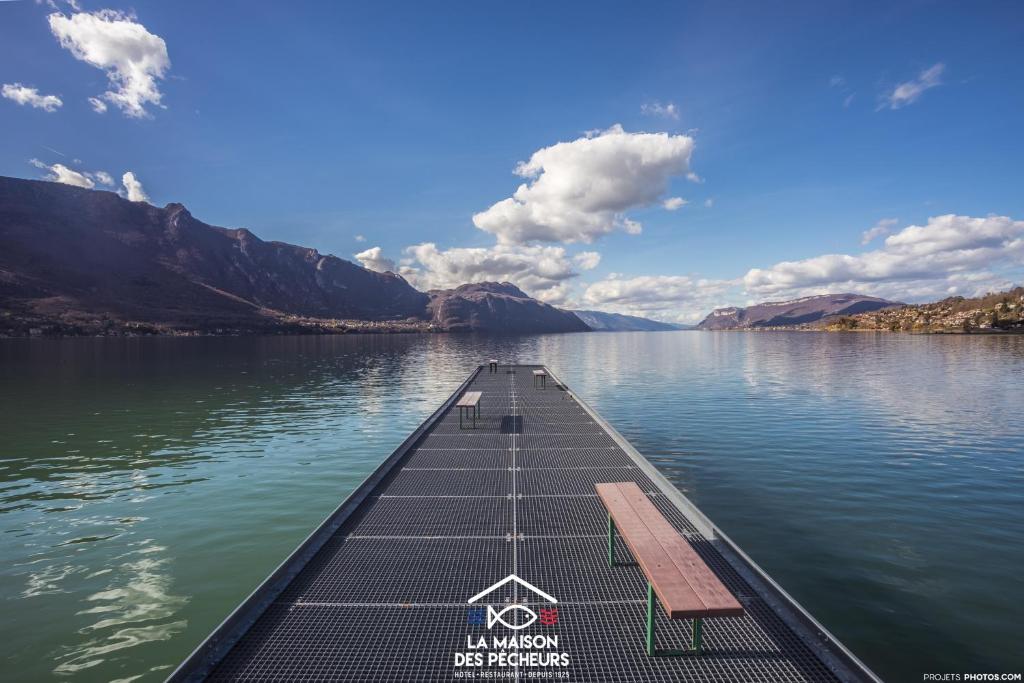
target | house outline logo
[{"x": 496, "y": 617}]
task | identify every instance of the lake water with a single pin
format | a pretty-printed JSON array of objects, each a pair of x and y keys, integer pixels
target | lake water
[{"x": 148, "y": 485}]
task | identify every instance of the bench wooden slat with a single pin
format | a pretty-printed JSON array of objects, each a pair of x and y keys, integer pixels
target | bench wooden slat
[
  {"x": 469, "y": 399},
  {"x": 675, "y": 594},
  {"x": 686, "y": 587},
  {"x": 718, "y": 600}
]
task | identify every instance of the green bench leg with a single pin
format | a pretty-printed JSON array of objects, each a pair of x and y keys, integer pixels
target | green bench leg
[{"x": 696, "y": 640}]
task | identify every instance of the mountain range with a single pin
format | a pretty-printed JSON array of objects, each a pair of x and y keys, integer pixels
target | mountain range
[
  {"x": 78, "y": 261},
  {"x": 599, "y": 321},
  {"x": 791, "y": 313}
]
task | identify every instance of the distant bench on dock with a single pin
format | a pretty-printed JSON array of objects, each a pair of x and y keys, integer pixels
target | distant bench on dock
[{"x": 497, "y": 533}]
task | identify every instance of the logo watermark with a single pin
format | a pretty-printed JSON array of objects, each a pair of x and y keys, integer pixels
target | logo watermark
[{"x": 497, "y": 647}]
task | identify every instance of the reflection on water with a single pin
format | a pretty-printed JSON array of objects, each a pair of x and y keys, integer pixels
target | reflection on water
[
  {"x": 135, "y": 609},
  {"x": 146, "y": 486}
]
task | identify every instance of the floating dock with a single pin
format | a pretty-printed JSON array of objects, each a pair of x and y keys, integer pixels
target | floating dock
[{"x": 392, "y": 586}]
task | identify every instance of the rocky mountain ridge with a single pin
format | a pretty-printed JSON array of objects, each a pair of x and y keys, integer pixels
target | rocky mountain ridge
[
  {"x": 792, "y": 313},
  {"x": 78, "y": 261}
]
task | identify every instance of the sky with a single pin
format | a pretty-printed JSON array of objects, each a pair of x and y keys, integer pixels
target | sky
[{"x": 660, "y": 159}]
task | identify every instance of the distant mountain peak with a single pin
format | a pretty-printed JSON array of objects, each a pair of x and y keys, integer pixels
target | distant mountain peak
[
  {"x": 502, "y": 288},
  {"x": 807, "y": 309},
  {"x": 600, "y": 321},
  {"x": 498, "y": 307}
]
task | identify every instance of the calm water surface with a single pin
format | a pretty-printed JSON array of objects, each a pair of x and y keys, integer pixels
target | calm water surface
[{"x": 147, "y": 486}]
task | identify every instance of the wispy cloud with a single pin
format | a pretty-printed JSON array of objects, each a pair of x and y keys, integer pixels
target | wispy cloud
[
  {"x": 665, "y": 111},
  {"x": 882, "y": 227},
  {"x": 24, "y": 95},
  {"x": 840, "y": 83},
  {"x": 910, "y": 91}
]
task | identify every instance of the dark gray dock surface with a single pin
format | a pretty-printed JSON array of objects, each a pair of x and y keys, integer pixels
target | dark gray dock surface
[{"x": 379, "y": 593}]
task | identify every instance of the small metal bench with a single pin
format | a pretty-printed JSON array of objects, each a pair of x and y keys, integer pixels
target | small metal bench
[
  {"x": 470, "y": 401},
  {"x": 676, "y": 575},
  {"x": 541, "y": 377},
  {"x": 492, "y": 366}
]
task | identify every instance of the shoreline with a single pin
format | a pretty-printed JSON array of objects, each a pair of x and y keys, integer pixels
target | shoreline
[{"x": 961, "y": 333}]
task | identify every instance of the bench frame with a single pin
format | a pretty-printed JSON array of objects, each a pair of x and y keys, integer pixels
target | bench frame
[
  {"x": 475, "y": 408},
  {"x": 696, "y": 637},
  {"x": 475, "y": 414}
]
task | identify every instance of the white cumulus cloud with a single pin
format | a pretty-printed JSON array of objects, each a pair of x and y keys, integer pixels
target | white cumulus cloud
[
  {"x": 59, "y": 173},
  {"x": 909, "y": 91},
  {"x": 132, "y": 190},
  {"x": 373, "y": 259},
  {"x": 947, "y": 255},
  {"x": 98, "y": 105},
  {"x": 541, "y": 271},
  {"x": 133, "y": 58},
  {"x": 919, "y": 260},
  {"x": 22, "y": 94},
  {"x": 673, "y": 203},
  {"x": 579, "y": 191},
  {"x": 678, "y": 298}
]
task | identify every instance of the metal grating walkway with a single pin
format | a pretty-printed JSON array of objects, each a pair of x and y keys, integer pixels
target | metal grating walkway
[{"x": 379, "y": 593}]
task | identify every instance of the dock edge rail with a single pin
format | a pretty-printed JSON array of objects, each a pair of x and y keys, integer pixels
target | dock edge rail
[
  {"x": 840, "y": 660},
  {"x": 198, "y": 665}
]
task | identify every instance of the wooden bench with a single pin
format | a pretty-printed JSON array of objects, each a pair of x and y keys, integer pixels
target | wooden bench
[
  {"x": 470, "y": 401},
  {"x": 542, "y": 377},
  {"x": 684, "y": 585},
  {"x": 492, "y": 366}
]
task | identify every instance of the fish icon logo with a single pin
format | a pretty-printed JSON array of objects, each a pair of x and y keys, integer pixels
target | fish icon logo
[
  {"x": 508, "y": 616},
  {"x": 494, "y": 617}
]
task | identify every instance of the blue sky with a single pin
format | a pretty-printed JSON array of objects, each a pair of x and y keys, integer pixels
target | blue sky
[{"x": 801, "y": 127}]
